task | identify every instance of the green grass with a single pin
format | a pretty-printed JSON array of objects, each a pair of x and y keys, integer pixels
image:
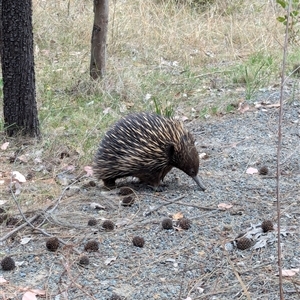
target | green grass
[{"x": 255, "y": 73}]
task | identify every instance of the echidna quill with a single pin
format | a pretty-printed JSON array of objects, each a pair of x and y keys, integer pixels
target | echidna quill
[{"x": 146, "y": 146}]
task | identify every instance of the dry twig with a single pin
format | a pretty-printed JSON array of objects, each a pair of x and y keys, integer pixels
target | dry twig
[
  {"x": 49, "y": 209},
  {"x": 279, "y": 147},
  {"x": 150, "y": 211},
  {"x": 239, "y": 278}
]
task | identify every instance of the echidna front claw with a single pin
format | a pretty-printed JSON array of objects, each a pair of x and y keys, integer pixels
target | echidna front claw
[{"x": 199, "y": 183}]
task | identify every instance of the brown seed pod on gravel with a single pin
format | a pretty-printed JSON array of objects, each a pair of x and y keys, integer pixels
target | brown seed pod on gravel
[
  {"x": 138, "y": 241},
  {"x": 7, "y": 263},
  {"x": 92, "y": 222},
  {"x": 184, "y": 223},
  {"x": 127, "y": 201},
  {"x": 92, "y": 183},
  {"x": 263, "y": 170},
  {"x": 52, "y": 244},
  {"x": 84, "y": 260},
  {"x": 146, "y": 146},
  {"x": 91, "y": 246},
  {"x": 108, "y": 225},
  {"x": 243, "y": 243},
  {"x": 124, "y": 191},
  {"x": 267, "y": 225},
  {"x": 167, "y": 223}
]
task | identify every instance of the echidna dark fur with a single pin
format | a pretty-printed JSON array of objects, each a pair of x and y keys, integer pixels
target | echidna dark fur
[{"x": 146, "y": 146}]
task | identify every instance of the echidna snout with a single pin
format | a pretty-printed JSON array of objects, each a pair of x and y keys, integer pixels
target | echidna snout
[
  {"x": 146, "y": 146},
  {"x": 187, "y": 159},
  {"x": 199, "y": 182}
]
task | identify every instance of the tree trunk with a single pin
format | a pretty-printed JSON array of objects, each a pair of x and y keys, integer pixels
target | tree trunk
[
  {"x": 99, "y": 35},
  {"x": 20, "y": 109},
  {"x": 1, "y": 39}
]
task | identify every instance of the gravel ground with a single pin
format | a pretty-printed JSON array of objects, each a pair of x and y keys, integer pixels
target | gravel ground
[{"x": 201, "y": 262}]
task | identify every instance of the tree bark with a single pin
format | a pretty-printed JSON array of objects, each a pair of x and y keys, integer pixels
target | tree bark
[
  {"x": 1, "y": 39},
  {"x": 99, "y": 36},
  {"x": 20, "y": 109}
]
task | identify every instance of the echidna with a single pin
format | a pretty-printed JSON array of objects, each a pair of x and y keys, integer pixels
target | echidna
[{"x": 146, "y": 146}]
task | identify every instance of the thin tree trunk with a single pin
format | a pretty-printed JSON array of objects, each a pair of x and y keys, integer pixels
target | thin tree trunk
[
  {"x": 99, "y": 36},
  {"x": 20, "y": 109}
]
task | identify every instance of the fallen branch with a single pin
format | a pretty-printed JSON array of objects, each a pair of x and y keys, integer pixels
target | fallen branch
[{"x": 48, "y": 210}]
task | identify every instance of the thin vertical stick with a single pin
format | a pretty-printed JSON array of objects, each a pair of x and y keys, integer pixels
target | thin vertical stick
[{"x": 279, "y": 148}]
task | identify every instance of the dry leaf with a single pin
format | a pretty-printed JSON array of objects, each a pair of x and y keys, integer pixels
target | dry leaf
[
  {"x": 266, "y": 105},
  {"x": 203, "y": 155},
  {"x": 2, "y": 280},
  {"x": 25, "y": 240},
  {"x": 45, "y": 52},
  {"x": 123, "y": 108},
  {"x": 4, "y": 146},
  {"x": 147, "y": 97},
  {"x": 260, "y": 244},
  {"x": 88, "y": 170},
  {"x": 243, "y": 107},
  {"x": 69, "y": 168},
  {"x": 95, "y": 205},
  {"x": 16, "y": 186},
  {"x": 2, "y": 202},
  {"x": 122, "y": 222},
  {"x": 23, "y": 158},
  {"x": 178, "y": 228},
  {"x": 18, "y": 176},
  {"x": 228, "y": 247},
  {"x": 106, "y": 110},
  {"x": 31, "y": 295},
  {"x": 184, "y": 118},
  {"x": 177, "y": 216},
  {"x": 21, "y": 263},
  {"x": 49, "y": 181},
  {"x": 37, "y": 160},
  {"x": 109, "y": 260},
  {"x": 251, "y": 171},
  {"x": 129, "y": 104},
  {"x": 290, "y": 273},
  {"x": 172, "y": 260},
  {"x": 177, "y": 95},
  {"x": 224, "y": 206}
]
